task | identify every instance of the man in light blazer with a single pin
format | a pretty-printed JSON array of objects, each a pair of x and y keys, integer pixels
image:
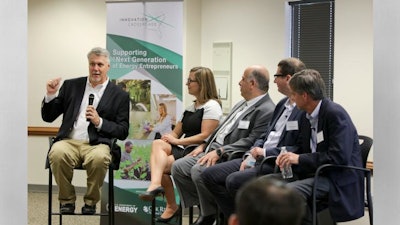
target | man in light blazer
[
  {"x": 224, "y": 180},
  {"x": 333, "y": 140},
  {"x": 94, "y": 111},
  {"x": 247, "y": 120}
]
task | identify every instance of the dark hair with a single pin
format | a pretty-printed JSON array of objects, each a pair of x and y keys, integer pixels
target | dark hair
[
  {"x": 128, "y": 143},
  {"x": 268, "y": 201},
  {"x": 291, "y": 66},
  {"x": 122, "y": 85},
  {"x": 308, "y": 81}
]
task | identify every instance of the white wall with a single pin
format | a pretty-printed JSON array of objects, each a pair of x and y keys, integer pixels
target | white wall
[
  {"x": 257, "y": 30},
  {"x": 353, "y": 64},
  {"x": 192, "y": 42},
  {"x": 255, "y": 27},
  {"x": 13, "y": 122},
  {"x": 61, "y": 32},
  {"x": 386, "y": 111}
]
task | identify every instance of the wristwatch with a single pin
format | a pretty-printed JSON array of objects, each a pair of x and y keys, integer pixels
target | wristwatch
[{"x": 219, "y": 152}]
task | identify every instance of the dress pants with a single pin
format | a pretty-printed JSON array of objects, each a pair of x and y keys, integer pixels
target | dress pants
[
  {"x": 65, "y": 155},
  {"x": 224, "y": 180},
  {"x": 186, "y": 173}
]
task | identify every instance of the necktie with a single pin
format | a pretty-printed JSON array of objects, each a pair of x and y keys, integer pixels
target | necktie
[{"x": 227, "y": 125}]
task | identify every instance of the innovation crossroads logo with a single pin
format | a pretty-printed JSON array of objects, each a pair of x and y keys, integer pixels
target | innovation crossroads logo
[{"x": 147, "y": 21}]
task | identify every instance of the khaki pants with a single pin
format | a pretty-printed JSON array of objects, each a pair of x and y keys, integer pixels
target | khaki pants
[{"x": 65, "y": 155}]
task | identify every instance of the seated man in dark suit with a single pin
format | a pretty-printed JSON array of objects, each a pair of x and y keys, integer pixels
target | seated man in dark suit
[
  {"x": 267, "y": 202},
  {"x": 94, "y": 111},
  {"x": 333, "y": 140},
  {"x": 247, "y": 120},
  {"x": 223, "y": 180}
]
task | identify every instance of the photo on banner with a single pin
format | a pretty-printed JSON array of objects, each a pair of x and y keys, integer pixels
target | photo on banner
[{"x": 145, "y": 41}]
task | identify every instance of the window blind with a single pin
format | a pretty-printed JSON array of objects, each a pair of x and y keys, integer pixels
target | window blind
[{"x": 312, "y": 37}]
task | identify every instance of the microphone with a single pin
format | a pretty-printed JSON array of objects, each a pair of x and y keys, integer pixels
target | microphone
[{"x": 91, "y": 99}]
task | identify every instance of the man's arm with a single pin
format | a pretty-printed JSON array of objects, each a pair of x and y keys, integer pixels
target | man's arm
[{"x": 243, "y": 139}]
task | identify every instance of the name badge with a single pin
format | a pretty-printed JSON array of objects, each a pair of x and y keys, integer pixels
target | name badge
[
  {"x": 292, "y": 125},
  {"x": 243, "y": 124},
  {"x": 320, "y": 137}
]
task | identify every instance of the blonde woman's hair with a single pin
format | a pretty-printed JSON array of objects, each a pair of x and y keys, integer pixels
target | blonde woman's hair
[
  {"x": 164, "y": 109},
  {"x": 205, "y": 78}
]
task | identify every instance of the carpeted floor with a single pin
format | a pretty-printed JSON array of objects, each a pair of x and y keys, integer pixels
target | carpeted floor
[
  {"x": 38, "y": 208},
  {"x": 37, "y": 212}
]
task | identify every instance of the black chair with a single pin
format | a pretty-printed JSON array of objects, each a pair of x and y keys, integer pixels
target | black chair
[
  {"x": 110, "y": 214},
  {"x": 230, "y": 155},
  {"x": 319, "y": 205}
]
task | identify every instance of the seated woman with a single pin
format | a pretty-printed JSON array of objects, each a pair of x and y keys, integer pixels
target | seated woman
[
  {"x": 163, "y": 123},
  {"x": 198, "y": 121}
]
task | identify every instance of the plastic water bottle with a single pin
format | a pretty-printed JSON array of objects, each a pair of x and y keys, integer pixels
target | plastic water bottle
[
  {"x": 250, "y": 161},
  {"x": 287, "y": 170}
]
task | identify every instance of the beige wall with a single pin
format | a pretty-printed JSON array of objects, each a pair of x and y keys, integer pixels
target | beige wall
[
  {"x": 61, "y": 33},
  {"x": 353, "y": 65}
]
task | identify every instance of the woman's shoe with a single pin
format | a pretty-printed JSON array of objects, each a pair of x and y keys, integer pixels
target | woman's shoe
[
  {"x": 176, "y": 214},
  {"x": 150, "y": 195}
]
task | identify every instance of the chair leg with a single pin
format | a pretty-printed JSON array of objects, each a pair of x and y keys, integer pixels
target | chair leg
[
  {"x": 369, "y": 201},
  {"x": 190, "y": 214},
  {"x": 50, "y": 197},
  {"x": 153, "y": 211},
  {"x": 111, "y": 208}
]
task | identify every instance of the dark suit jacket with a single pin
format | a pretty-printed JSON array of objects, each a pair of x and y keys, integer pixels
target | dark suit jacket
[
  {"x": 258, "y": 116},
  {"x": 289, "y": 138},
  {"x": 113, "y": 108},
  {"x": 340, "y": 146}
]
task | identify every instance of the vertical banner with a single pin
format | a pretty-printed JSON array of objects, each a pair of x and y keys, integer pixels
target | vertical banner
[{"x": 145, "y": 44}]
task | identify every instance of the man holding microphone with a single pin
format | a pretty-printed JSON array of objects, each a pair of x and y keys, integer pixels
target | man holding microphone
[{"x": 94, "y": 111}]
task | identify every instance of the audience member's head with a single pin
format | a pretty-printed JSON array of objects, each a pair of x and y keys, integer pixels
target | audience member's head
[
  {"x": 267, "y": 201},
  {"x": 308, "y": 81}
]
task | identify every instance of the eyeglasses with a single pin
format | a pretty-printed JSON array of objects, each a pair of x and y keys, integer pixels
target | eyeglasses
[
  {"x": 279, "y": 75},
  {"x": 190, "y": 81}
]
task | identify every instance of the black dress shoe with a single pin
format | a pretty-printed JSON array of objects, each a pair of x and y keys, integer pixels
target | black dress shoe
[
  {"x": 176, "y": 214},
  {"x": 150, "y": 195},
  {"x": 88, "y": 209},
  {"x": 67, "y": 209},
  {"x": 205, "y": 220}
]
